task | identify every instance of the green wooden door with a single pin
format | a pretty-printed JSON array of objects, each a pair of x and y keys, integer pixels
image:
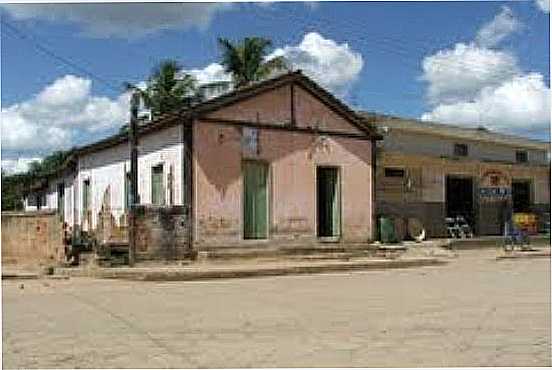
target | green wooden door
[{"x": 255, "y": 200}]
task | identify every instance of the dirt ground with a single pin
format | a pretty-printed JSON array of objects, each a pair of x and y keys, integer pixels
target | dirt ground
[{"x": 475, "y": 311}]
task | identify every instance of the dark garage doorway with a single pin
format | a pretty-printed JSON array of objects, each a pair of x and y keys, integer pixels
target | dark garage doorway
[
  {"x": 459, "y": 198},
  {"x": 521, "y": 195}
]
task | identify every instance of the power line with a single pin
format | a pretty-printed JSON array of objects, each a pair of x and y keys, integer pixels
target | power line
[{"x": 33, "y": 40}]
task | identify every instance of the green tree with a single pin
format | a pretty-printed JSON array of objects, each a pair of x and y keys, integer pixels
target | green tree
[
  {"x": 15, "y": 186},
  {"x": 246, "y": 60},
  {"x": 12, "y": 192},
  {"x": 167, "y": 88}
]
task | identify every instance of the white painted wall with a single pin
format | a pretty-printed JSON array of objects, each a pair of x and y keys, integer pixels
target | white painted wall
[
  {"x": 161, "y": 147},
  {"x": 107, "y": 167}
]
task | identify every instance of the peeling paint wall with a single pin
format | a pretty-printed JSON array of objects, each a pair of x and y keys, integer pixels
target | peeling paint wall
[
  {"x": 105, "y": 169},
  {"x": 292, "y": 157},
  {"x": 162, "y": 233}
]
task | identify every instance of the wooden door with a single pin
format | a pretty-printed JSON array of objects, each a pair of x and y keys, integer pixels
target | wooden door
[{"x": 255, "y": 200}]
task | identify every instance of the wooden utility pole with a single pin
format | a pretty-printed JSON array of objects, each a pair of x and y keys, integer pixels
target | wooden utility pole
[{"x": 133, "y": 145}]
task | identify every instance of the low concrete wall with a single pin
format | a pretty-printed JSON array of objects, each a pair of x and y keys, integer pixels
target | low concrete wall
[
  {"x": 162, "y": 233},
  {"x": 32, "y": 238},
  {"x": 431, "y": 214}
]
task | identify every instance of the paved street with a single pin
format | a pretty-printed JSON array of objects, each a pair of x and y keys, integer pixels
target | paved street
[{"x": 475, "y": 311}]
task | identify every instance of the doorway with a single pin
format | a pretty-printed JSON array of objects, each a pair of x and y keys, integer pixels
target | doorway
[
  {"x": 459, "y": 198},
  {"x": 328, "y": 202},
  {"x": 521, "y": 195},
  {"x": 255, "y": 209}
]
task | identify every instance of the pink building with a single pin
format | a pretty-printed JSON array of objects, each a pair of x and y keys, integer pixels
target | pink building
[{"x": 282, "y": 161}]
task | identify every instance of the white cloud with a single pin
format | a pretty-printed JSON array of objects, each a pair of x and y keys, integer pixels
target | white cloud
[
  {"x": 502, "y": 26},
  {"x": 127, "y": 20},
  {"x": 334, "y": 66},
  {"x": 543, "y": 5},
  {"x": 519, "y": 105},
  {"x": 64, "y": 91},
  {"x": 12, "y": 166},
  {"x": 472, "y": 84},
  {"x": 460, "y": 73},
  {"x": 51, "y": 119},
  {"x": 212, "y": 73}
]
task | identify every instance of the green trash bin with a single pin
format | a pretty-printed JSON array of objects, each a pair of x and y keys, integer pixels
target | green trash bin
[{"x": 387, "y": 230}]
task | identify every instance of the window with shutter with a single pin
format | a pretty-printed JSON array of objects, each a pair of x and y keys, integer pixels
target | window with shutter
[
  {"x": 85, "y": 199},
  {"x": 157, "y": 186}
]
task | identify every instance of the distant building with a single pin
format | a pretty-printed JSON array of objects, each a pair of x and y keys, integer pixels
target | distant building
[
  {"x": 431, "y": 171},
  {"x": 213, "y": 89}
]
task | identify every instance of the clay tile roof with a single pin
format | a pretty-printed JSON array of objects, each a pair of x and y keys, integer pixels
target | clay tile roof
[{"x": 453, "y": 131}]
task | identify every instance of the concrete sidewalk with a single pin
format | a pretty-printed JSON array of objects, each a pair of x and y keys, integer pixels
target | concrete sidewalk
[{"x": 201, "y": 271}]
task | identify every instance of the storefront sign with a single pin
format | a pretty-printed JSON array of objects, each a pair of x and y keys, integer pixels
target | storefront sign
[
  {"x": 494, "y": 186},
  {"x": 495, "y": 192}
]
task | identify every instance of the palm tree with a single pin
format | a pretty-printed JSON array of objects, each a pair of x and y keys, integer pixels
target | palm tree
[
  {"x": 246, "y": 60},
  {"x": 167, "y": 89}
]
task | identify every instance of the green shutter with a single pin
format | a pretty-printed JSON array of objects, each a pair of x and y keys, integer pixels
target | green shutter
[
  {"x": 127, "y": 190},
  {"x": 85, "y": 195},
  {"x": 157, "y": 188},
  {"x": 255, "y": 200},
  {"x": 61, "y": 201}
]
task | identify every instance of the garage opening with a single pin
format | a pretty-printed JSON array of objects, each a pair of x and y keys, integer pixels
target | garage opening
[
  {"x": 459, "y": 198},
  {"x": 521, "y": 195},
  {"x": 328, "y": 202}
]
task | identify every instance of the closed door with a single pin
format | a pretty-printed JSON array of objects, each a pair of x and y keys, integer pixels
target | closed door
[{"x": 255, "y": 200}]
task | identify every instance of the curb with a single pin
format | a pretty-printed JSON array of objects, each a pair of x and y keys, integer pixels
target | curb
[
  {"x": 492, "y": 242},
  {"x": 19, "y": 276},
  {"x": 532, "y": 254},
  {"x": 228, "y": 272}
]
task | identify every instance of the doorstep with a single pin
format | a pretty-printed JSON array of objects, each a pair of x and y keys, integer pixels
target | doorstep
[
  {"x": 541, "y": 240},
  {"x": 204, "y": 271}
]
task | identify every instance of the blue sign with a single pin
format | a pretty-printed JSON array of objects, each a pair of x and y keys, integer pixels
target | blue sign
[{"x": 495, "y": 192}]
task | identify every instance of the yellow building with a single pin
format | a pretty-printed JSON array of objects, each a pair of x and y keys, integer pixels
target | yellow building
[{"x": 430, "y": 171}]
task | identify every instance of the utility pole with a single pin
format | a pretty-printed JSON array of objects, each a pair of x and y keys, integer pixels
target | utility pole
[{"x": 133, "y": 146}]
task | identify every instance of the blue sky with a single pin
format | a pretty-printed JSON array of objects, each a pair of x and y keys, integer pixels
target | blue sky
[{"x": 467, "y": 63}]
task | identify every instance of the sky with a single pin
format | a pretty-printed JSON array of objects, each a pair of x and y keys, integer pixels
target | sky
[{"x": 63, "y": 66}]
